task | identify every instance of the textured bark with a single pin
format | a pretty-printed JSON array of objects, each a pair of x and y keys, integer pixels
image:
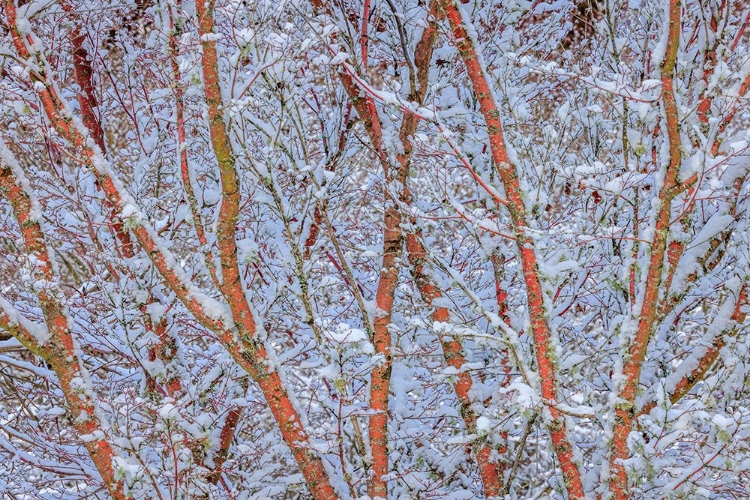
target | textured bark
[
  {"x": 625, "y": 407},
  {"x": 247, "y": 352},
  {"x": 60, "y": 350},
  {"x": 226, "y": 436},
  {"x": 515, "y": 205},
  {"x": 165, "y": 351},
  {"x": 686, "y": 384},
  {"x": 84, "y": 78},
  {"x": 231, "y": 285},
  {"x": 392, "y": 248},
  {"x": 381, "y": 374},
  {"x": 490, "y": 471},
  {"x": 187, "y": 184}
]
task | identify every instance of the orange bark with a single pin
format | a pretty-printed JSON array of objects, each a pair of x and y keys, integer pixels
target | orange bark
[
  {"x": 704, "y": 106},
  {"x": 248, "y": 353},
  {"x": 365, "y": 106},
  {"x": 86, "y": 97},
  {"x": 509, "y": 176},
  {"x": 392, "y": 247},
  {"x": 182, "y": 147},
  {"x": 490, "y": 471},
  {"x": 709, "y": 63},
  {"x": 501, "y": 297},
  {"x": 231, "y": 286},
  {"x": 386, "y": 289},
  {"x": 744, "y": 87},
  {"x": 60, "y": 351},
  {"x": 686, "y": 384},
  {"x": 165, "y": 350},
  {"x": 625, "y": 408},
  {"x": 381, "y": 374},
  {"x": 166, "y": 346},
  {"x": 55, "y": 112},
  {"x": 225, "y": 439}
]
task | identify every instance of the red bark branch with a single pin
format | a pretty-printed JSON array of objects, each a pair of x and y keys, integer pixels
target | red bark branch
[
  {"x": 490, "y": 471},
  {"x": 387, "y": 283},
  {"x": 247, "y": 352},
  {"x": 60, "y": 351},
  {"x": 625, "y": 408},
  {"x": 187, "y": 184},
  {"x": 509, "y": 175},
  {"x": 452, "y": 349},
  {"x": 231, "y": 286},
  {"x": 686, "y": 384},
  {"x": 226, "y": 436}
]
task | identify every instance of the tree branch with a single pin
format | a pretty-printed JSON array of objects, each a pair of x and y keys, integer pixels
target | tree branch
[{"x": 510, "y": 177}]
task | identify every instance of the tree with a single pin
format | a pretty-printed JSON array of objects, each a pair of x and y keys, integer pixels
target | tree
[{"x": 405, "y": 250}]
